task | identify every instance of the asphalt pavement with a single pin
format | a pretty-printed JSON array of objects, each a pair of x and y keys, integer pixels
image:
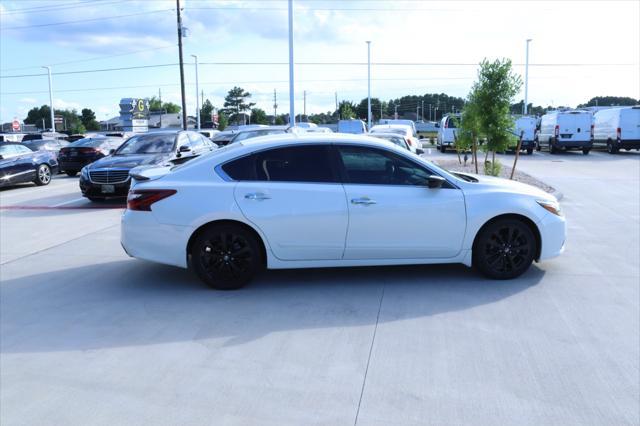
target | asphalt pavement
[{"x": 91, "y": 336}]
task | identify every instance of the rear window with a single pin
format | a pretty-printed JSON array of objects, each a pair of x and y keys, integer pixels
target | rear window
[{"x": 89, "y": 142}]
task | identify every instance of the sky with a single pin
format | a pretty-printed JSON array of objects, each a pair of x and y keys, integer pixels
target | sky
[{"x": 579, "y": 49}]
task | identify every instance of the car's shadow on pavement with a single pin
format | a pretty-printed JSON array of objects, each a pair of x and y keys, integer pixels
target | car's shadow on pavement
[{"x": 131, "y": 303}]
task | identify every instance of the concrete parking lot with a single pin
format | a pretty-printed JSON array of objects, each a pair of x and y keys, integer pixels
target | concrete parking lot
[{"x": 91, "y": 336}]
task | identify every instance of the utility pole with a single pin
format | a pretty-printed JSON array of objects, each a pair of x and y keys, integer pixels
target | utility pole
[
  {"x": 422, "y": 115},
  {"x": 417, "y": 111},
  {"x": 380, "y": 111},
  {"x": 184, "y": 101},
  {"x": 395, "y": 113},
  {"x": 430, "y": 113},
  {"x": 53, "y": 121},
  {"x": 304, "y": 108},
  {"x": 275, "y": 106},
  {"x": 368, "y": 85},
  {"x": 526, "y": 79},
  {"x": 292, "y": 113},
  {"x": 197, "y": 97},
  {"x": 337, "y": 110},
  {"x": 161, "y": 111}
]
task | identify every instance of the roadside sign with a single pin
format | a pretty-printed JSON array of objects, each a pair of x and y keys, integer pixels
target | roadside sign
[
  {"x": 58, "y": 119},
  {"x": 15, "y": 125}
]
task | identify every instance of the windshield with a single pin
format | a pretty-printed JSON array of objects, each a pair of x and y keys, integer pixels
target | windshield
[
  {"x": 395, "y": 139},
  {"x": 148, "y": 144},
  {"x": 87, "y": 142}
]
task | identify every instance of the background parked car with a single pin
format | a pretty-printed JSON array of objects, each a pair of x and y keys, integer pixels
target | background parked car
[
  {"x": 352, "y": 126},
  {"x": 248, "y": 134},
  {"x": 44, "y": 135},
  {"x": 618, "y": 128},
  {"x": 447, "y": 132},
  {"x": 527, "y": 126},
  {"x": 51, "y": 145},
  {"x": 394, "y": 138},
  {"x": 109, "y": 176},
  {"x": 209, "y": 133},
  {"x": 401, "y": 129},
  {"x": 85, "y": 151},
  {"x": 564, "y": 130},
  {"x": 19, "y": 164}
]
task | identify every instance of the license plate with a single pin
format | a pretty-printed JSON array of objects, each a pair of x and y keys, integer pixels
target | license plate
[{"x": 108, "y": 189}]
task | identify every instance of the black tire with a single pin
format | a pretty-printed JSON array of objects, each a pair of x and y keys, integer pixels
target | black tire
[
  {"x": 538, "y": 148},
  {"x": 443, "y": 148},
  {"x": 585, "y": 151},
  {"x": 71, "y": 173},
  {"x": 96, "y": 199},
  {"x": 552, "y": 148},
  {"x": 226, "y": 256},
  {"x": 504, "y": 249},
  {"x": 529, "y": 151},
  {"x": 43, "y": 175},
  {"x": 612, "y": 148}
]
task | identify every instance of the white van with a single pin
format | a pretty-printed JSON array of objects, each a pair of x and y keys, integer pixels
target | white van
[
  {"x": 447, "y": 132},
  {"x": 564, "y": 130},
  {"x": 410, "y": 123},
  {"x": 527, "y": 126},
  {"x": 617, "y": 128},
  {"x": 352, "y": 126}
]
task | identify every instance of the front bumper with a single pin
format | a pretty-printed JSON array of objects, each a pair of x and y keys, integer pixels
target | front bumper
[
  {"x": 553, "y": 236},
  {"x": 95, "y": 190}
]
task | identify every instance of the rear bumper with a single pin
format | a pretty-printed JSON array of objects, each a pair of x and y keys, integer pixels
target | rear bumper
[
  {"x": 143, "y": 237},
  {"x": 569, "y": 144},
  {"x": 75, "y": 165},
  {"x": 629, "y": 144}
]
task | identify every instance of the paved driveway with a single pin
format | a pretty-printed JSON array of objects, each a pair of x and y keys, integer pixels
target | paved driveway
[{"x": 90, "y": 336}]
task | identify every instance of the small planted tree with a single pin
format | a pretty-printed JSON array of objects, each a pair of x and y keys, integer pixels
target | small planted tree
[{"x": 488, "y": 108}]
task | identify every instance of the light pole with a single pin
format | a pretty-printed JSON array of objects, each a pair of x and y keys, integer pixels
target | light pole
[
  {"x": 197, "y": 91},
  {"x": 53, "y": 123},
  {"x": 526, "y": 79},
  {"x": 180, "y": 34},
  {"x": 368, "y": 84},
  {"x": 292, "y": 116},
  {"x": 395, "y": 112}
]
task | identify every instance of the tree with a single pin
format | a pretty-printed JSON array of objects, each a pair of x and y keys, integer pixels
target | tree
[
  {"x": 235, "y": 103},
  {"x": 258, "y": 116},
  {"x": 205, "y": 112},
  {"x": 223, "y": 121},
  {"x": 169, "y": 107},
  {"x": 610, "y": 100},
  {"x": 361, "y": 109},
  {"x": 35, "y": 116},
  {"x": 88, "y": 119},
  {"x": 470, "y": 128},
  {"x": 347, "y": 110},
  {"x": 489, "y": 103}
]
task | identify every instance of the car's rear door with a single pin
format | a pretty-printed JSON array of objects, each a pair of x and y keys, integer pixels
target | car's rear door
[
  {"x": 294, "y": 197},
  {"x": 392, "y": 213}
]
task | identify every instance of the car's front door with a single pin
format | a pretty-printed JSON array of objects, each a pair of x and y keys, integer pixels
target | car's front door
[
  {"x": 392, "y": 213},
  {"x": 294, "y": 197},
  {"x": 25, "y": 164}
]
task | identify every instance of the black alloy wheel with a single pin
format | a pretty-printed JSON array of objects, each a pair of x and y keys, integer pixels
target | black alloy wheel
[
  {"x": 504, "y": 249},
  {"x": 43, "y": 175},
  {"x": 226, "y": 257}
]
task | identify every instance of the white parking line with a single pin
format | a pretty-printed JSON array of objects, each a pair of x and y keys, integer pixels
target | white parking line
[
  {"x": 32, "y": 190},
  {"x": 68, "y": 202}
]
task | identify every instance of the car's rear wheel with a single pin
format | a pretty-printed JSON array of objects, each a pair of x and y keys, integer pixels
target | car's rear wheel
[
  {"x": 226, "y": 256},
  {"x": 443, "y": 148},
  {"x": 585, "y": 151},
  {"x": 504, "y": 249},
  {"x": 71, "y": 173},
  {"x": 529, "y": 151},
  {"x": 43, "y": 175}
]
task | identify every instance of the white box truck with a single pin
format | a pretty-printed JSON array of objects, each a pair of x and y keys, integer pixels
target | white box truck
[
  {"x": 447, "y": 132},
  {"x": 526, "y": 126},
  {"x": 618, "y": 128},
  {"x": 564, "y": 130}
]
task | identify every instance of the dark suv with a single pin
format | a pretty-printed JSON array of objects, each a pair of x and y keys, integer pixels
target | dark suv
[{"x": 109, "y": 176}]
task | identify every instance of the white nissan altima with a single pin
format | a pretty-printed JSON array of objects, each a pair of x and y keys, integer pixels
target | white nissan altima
[{"x": 327, "y": 200}]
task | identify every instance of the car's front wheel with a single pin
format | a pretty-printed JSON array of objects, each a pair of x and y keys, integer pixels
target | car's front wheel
[
  {"x": 43, "y": 175},
  {"x": 504, "y": 249},
  {"x": 226, "y": 256},
  {"x": 71, "y": 173}
]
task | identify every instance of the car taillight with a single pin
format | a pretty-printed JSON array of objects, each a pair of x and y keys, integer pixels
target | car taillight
[
  {"x": 88, "y": 150},
  {"x": 142, "y": 199},
  {"x": 619, "y": 132},
  {"x": 557, "y": 131}
]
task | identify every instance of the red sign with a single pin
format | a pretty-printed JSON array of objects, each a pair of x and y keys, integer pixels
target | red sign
[{"x": 15, "y": 125}]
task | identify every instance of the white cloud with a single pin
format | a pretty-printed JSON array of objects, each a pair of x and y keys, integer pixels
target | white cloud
[{"x": 62, "y": 104}]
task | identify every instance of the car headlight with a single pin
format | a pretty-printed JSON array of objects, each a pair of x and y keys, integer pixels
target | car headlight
[
  {"x": 551, "y": 206},
  {"x": 84, "y": 173}
]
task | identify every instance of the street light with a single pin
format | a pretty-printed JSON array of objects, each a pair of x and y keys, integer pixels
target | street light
[
  {"x": 526, "y": 79},
  {"x": 368, "y": 84},
  {"x": 53, "y": 125},
  {"x": 197, "y": 92},
  {"x": 292, "y": 116}
]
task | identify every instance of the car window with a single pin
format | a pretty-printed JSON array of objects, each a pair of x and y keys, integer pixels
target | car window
[
  {"x": 7, "y": 150},
  {"x": 364, "y": 165},
  {"x": 288, "y": 164},
  {"x": 196, "y": 141},
  {"x": 451, "y": 123},
  {"x": 22, "y": 149},
  {"x": 148, "y": 144},
  {"x": 183, "y": 140}
]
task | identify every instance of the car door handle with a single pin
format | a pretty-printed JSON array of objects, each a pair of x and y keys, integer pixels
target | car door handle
[
  {"x": 259, "y": 196},
  {"x": 364, "y": 200}
]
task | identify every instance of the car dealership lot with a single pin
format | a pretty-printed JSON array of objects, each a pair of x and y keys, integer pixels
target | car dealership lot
[{"x": 89, "y": 335}]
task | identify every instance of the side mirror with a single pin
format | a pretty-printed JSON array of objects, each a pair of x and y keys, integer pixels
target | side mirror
[
  {"x": 435, "y": 181},
  {"x": 184, "y": 148},
  {"x": 111, "y": 151}
]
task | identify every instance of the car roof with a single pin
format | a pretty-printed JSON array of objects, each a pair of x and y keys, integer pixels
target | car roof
[
  {"x": 378, "y": 134},
  {"x": 310, "y": 137}
]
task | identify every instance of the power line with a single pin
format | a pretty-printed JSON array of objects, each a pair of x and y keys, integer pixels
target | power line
[
  {"x": 62, "y": 6},
  {"x": 103, "y": 18},
  {"x": 96, "y": 58}
]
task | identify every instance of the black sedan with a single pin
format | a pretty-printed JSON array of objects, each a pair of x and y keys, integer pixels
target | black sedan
[
  {"x": 109, "y": 176},
  {"x": 19, "y": 164},
  {"x": 85, "y": 151},
  {"x": 52, "y": 145}
]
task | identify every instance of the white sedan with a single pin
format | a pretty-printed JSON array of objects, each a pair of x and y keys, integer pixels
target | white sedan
[{"x": 326, "y": 200}]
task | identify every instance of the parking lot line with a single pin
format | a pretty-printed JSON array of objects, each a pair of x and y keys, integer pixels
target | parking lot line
[{"x": 68, "y": 202}]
